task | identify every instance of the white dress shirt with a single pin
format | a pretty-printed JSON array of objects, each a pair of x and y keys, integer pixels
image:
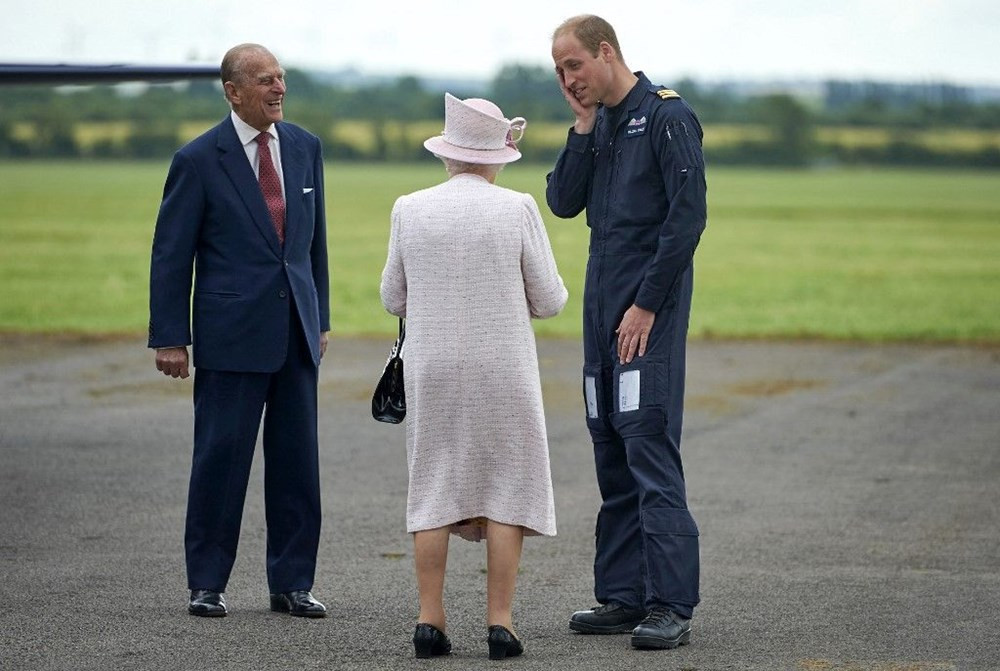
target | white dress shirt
[{"x": 248, "y": 136}]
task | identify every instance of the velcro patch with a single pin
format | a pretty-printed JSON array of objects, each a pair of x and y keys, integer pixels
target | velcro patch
[{"x": 635, "y": 126}]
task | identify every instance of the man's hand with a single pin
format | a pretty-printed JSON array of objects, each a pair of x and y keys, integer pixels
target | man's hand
[
  {"x": 324, "y": 338},
  {"x": 633, "y": 333},
  {"x": 586, "y": 116},
  {"x": 173, "y": 361}
]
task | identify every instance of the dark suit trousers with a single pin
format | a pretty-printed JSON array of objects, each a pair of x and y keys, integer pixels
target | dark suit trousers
[{"x": 227, "y": 413}]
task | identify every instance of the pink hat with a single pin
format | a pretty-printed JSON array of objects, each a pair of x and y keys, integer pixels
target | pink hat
[{"x": 476, "y": 131}]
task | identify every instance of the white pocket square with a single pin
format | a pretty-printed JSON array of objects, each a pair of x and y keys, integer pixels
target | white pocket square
[{"x": 307, "y": 190}]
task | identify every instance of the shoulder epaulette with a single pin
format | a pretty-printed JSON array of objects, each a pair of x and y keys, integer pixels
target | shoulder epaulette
[{"x": 667, "y": 94}]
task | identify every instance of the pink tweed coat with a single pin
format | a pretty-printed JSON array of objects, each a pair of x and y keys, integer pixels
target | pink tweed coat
[{"x": 469, "y": 265}]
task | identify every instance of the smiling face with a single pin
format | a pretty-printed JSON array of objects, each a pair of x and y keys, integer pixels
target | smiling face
[
  {"x": 587, "y": 76},
  {"x": 257, "y": 90}
]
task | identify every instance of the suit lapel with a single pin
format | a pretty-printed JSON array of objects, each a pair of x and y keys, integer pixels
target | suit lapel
[
  {"x": 236, "y": 166},
  {"x": 293, "y": 170}
]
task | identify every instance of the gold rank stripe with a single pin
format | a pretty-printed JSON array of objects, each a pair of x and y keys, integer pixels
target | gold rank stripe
[{"x": 667, "y": 93}]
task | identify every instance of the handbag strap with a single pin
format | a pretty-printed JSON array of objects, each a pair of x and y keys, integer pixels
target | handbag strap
[{"x": 398, "y": 345}]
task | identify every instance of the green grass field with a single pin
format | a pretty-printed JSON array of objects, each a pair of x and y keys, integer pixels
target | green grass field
[
  {"x": 870, "y": 255},
  {"x": 361, "y": 135}
]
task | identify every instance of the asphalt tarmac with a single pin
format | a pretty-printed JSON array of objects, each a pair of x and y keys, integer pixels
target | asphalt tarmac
[{"x": 848, "y": 498}]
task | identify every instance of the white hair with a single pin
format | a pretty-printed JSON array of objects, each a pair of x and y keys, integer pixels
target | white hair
[{"x": 454, "y": 167}]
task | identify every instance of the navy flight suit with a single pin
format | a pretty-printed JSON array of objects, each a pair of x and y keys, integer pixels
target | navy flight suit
[{"x": 641, "y": 177}]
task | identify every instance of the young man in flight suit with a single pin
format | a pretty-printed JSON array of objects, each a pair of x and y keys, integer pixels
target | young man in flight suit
[{"x": 633, "y": 160}]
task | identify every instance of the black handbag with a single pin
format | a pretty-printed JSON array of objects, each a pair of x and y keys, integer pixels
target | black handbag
[{"x": 389, "y": 399}]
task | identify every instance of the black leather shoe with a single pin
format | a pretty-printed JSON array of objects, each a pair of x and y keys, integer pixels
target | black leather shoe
[
  {"x": 662, "y": 630},
  {"x": 207, "y": 603},
  {"x": 429, "y": 641},
  {"x": 503, "y": 643},
  {"x": 611, "y": 618},
  {"x": 299, "y": 603}
]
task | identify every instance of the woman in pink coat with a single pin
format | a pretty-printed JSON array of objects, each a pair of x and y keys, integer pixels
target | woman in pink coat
[{"x": 469, "y": 266}]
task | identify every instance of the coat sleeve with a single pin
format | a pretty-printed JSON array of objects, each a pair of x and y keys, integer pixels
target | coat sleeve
[
  {"x": 393, "y": 287},
  {"x": 568, "y": 184},
  {"x": 682, "y": 168},
  {"x": 543, "y": 285},
  {"x": 319, "y": 252},
  {"x": 172, "y": 265}
]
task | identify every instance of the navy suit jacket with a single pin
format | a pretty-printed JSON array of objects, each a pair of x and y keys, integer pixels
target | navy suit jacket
[{"x": 214, "y": 226}]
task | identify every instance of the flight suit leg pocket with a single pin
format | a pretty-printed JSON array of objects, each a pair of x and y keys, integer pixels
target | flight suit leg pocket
[
  {"x": 669, "y": 521},
  {"x": 640, "y": 384},
  {"x": 671, "y": 539},
  {"x": 639, "y": 393},
  {"x": 595, "y": 401}
]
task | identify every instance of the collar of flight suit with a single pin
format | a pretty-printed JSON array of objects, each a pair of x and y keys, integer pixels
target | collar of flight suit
[
  {"x": 638, "y": 92},
  {"x": 633, "y": 99}
]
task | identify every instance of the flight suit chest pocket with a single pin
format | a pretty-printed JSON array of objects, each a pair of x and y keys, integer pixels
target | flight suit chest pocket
[{"x": 638, "y": 184}]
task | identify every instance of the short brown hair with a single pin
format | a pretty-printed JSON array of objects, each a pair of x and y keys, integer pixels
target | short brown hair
[{"x": 591, "y": 31}]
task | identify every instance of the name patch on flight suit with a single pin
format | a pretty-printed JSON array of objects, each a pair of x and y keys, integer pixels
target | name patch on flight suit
[
  {"x": 635, "y": 126},
  {"x": 628, "y": 391},
  {"x": 590, "y": 392}
]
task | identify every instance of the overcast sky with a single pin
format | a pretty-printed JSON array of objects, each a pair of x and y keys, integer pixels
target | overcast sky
[{"x": 905, "y": 40}]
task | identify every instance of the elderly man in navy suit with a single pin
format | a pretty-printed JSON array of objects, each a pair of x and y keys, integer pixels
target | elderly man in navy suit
[{"x": 243, "y": 214}]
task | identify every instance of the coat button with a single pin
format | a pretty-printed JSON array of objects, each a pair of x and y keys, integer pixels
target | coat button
[{"x": 282, "y": 293}]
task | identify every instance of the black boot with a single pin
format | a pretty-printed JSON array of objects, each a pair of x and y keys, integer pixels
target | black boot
[
  {"x": 611, "y": 618},
  {"x": 662, "y": 630}
]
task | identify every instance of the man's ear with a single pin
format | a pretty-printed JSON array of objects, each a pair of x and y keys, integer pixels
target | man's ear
[
  {"x": 232, "y": 94},
  {"x": 607, "y": 52}
]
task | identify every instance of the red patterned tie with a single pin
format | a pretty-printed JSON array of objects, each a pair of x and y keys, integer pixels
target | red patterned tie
[{"x": 270, "y": 186}]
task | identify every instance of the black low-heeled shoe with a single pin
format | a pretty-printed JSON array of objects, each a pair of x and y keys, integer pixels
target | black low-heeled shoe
[
  {"x": 429, "y": 641},
  {"x": 503, "y": 643}
]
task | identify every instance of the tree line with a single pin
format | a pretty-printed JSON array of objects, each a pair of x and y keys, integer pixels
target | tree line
[{"x": 46, "y": 122}]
